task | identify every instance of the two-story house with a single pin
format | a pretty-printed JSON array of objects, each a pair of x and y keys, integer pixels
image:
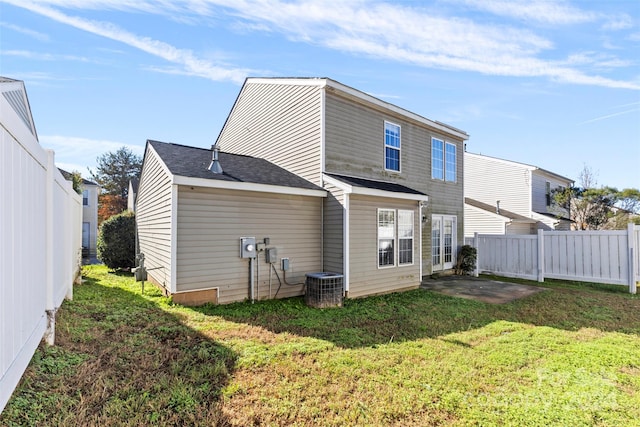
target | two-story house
[
  {"x": 90, "y": 191},
  {"x": 507, "y": 197},
  {"x": 331, "y": 178}
]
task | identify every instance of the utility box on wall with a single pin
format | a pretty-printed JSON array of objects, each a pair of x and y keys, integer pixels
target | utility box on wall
[
  {"x": 247, "y": 247},
  {"x": 271, "y": 255}
]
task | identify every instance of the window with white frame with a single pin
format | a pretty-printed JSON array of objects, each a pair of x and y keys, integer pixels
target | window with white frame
[
  {"x": 443, "y": 160},
  {"x": 85, "y": 197},
  {"x": 386, "y": 237},
  {"x": 395, "y": 229},
  {"x": 450, "y": 162},
  {"x": 391, "y": 146},
  {"x": 405, "y": 237}
]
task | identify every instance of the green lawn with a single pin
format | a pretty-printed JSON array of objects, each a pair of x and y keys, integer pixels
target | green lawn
[{"x": 569, "y": 356}]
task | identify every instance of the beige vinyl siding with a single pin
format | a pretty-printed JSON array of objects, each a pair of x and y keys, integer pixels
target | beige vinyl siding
[
  {"x": 488, "y": 180},
  {"x": 365, "y": 276},
  {"x": 354, "y": 140},
  {"x": 153, "y": 217},
  {"x": 211, "y": 222},
  {"x": 280, "y": 123},
  {"x": 333, "y": 240},
  {"x": 478, "y": 221}
]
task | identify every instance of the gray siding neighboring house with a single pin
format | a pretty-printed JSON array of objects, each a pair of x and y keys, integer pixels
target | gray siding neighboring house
[
  {"x": 521, "y": 192},
  {"x": 132, "y": 194}
]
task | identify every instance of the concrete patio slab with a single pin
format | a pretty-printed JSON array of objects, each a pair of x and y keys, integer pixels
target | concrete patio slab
[{"x": 490, "y": 291}]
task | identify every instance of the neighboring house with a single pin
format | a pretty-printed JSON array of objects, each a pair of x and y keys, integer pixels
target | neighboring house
[
  {"x": 507, "y": 197},
  {"x": 386, "y": 209},
  {"x": 90, "y": 191},
  {"x": 132, "y": 194}
]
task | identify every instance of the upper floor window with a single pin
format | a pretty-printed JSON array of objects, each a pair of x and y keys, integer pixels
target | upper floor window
[
  {"x": 547, "y": 193},
  {"x": 450, "y": 162},
  {"x": 85, "y": 197},
  {"x": 391, "y": 147},
  {"x": 443, "y": 160}
]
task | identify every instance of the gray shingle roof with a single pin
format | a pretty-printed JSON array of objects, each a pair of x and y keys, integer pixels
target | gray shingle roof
[
  {"x": 193, "y": 162},
  {"x": 375, "y": 185}
]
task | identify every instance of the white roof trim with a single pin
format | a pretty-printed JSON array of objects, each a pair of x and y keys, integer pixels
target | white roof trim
[
  {"x": 352, "y": 189},
  {"x": 326, "y": 82},
  {"x": 246, "y": 186}
]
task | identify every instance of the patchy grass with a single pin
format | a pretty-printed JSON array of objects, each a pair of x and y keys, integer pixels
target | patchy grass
[{"x": 568, "y": 356}]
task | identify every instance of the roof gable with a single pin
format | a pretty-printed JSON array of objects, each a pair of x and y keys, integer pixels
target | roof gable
[
  {"x": 355, "y": 94},
  {"x": 15, "y": 93}
]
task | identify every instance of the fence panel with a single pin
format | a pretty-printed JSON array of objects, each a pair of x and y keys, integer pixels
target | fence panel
[
  {"x": 592, "y": 256},
  {"x": 26, "y": 252},
  {"x": 508, "y": 255},
  {"x": 610, "y": 256}
]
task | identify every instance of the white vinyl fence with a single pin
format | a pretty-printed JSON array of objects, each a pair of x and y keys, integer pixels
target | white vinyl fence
[
  {"x": 40, "y": 245},
  {"x": 588, "y": 256}
]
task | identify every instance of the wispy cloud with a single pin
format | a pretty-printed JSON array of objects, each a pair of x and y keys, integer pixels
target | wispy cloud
[
  {"x": 183, "y": 57},
  {"x": 29, "y": 32},
  {"x": 406, "y": 32},
  {"x": 533, "y": 10},
  {"x": 44, "y": 56},
  {"x": 635, "y": 109}
]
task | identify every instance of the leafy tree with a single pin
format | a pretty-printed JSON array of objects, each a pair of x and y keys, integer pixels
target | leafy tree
[
  {"x": 595, "y": 208},
  {"x": 113, "y": 172},
  {"x": 116, "y": 241},
  {"x": 115, "y": 169},
  {"x": 77, "y": 182},
  {"x": 109, "y": 205}
]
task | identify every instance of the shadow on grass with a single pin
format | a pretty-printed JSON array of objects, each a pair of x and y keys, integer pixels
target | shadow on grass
[
  {"x": 425, "y": 314},
  {"x": 120, "y": 359}
]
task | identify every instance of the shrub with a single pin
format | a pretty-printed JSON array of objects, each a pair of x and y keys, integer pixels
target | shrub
[
  {"x": 466, "y": 262},
  {"x": 117, "y": 241}
]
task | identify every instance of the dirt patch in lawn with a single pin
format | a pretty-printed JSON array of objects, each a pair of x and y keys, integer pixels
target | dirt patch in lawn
[{"x": 490, "y": 291}]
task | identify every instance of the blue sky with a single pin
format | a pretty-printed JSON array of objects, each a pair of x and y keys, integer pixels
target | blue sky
[{"x": 551, "y": 83}]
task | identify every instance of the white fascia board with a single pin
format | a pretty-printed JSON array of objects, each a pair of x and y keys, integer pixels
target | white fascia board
[
  {"x": 351, "y": 189},
  {"x": 246, "y": 186},
  {"x": 289, "y": 81}
]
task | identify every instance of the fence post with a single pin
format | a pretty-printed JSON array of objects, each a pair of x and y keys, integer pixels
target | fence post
[
  {"x": 540, "y": 255},
  {"x": 633, "y": 265},
  {"x": 475, "y": 245},
  {"x": 49, "y": 248}
]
